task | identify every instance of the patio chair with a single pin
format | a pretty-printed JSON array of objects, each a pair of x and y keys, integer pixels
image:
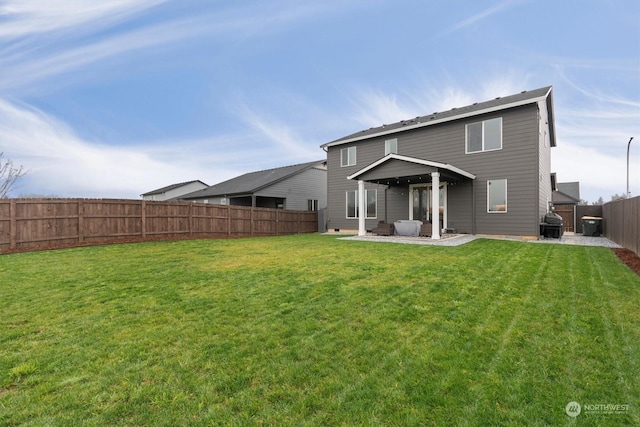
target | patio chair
[
  {"x": 383, "y": 229},
  {"x": 425, "y": 229}
]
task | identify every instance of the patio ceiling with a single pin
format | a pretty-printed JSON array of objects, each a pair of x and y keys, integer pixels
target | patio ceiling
[{"x": 395, "y": 169}]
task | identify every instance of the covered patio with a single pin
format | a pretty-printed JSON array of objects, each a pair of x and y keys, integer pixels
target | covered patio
[{"x": 398, "y": 170}]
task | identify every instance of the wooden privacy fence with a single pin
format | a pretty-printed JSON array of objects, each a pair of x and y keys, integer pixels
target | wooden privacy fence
[
  {"x": 46, "y": 223},
  {"x": 621, "y": 223},
  {"x": 572, "y": 215}
]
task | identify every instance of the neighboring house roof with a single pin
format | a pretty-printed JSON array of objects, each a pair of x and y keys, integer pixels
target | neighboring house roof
[
  {"x": 252, "y": 182},
  {"x": 571, "y": 189},
  {"x": 497, "y": 104},
  {"x": 560, "y": 198},
  {"x": 171, "y": 187}
]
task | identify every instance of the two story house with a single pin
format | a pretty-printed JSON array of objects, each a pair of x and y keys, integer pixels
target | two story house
[{"x": 479, "y": 169}]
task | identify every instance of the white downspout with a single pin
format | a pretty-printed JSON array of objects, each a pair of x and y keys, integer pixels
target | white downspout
[
  {"x": 362, "y": 209},
  {"x": 435, "y": 205}
]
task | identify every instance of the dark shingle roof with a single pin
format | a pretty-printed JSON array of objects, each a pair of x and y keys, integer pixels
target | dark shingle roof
[
  {"x": 500, "y": 103},
  {"x": 171, "y": 187},
  {"x": 251, "y": 182}
]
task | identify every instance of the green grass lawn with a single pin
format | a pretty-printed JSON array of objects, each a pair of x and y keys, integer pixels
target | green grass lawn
[{"x": 312, "y": 330}]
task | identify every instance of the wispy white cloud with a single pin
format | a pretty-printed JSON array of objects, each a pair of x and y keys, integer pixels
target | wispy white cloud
[
  {"x": 480, "y": 16},
  {"x": 375, "y": 107},
  {"x": 31, "y": 69},
  {"x": 23, "y": 18},
  {"x": 38, "y": 56},
  {"x": 279, "y": 140},
  {"x": 63, "y": 164}
]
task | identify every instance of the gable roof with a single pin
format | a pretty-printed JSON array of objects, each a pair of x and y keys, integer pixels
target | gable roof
[
  {"x": 251, "y": 182},
  {"x": 497, "y": 104},
  {"x": 571, "y": 189},
  {"x": 172, "y": 187},
  {"x": 413, "y": 160},
  {"x": 558, "y": 197}
]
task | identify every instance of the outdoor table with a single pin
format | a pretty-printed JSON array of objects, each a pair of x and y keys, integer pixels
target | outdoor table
[{"x": 407, "y": 228}]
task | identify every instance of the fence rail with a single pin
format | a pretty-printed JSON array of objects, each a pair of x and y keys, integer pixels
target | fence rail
[
  {"x": 622, "y": 223},
  {"x": 26, "y": 224}
]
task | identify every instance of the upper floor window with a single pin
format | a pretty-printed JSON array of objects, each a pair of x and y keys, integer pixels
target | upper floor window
[
  {"x": 348, "y": 156},
  {"x": 484, "y": 136},
  {"x": 391, "y": 146}
]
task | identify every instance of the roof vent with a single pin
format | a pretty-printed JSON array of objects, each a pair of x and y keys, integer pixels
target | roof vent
[
  {"x": 524, "y": 91},
  {"x": 453, "y": 108},
  {"x": 498, "y": 98}
]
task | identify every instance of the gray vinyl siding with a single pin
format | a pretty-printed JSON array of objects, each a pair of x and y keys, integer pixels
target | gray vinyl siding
[
  {"x": 460, "y": 206},
  {"x": 338, "y": 185},
  {"x": 398, "y": 203},
  {"x": 545, "y": 191},
  {"x": 519, "y": 162},
  {"x": 309, "y": 184}
]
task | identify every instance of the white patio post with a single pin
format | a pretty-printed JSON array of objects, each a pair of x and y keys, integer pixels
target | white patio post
[
  {"x": 435, "y": 205},
  {"x": 362, "y": 209}
]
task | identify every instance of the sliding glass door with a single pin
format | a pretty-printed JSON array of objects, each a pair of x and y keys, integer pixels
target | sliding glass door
[{"x": 420, "y": 203}]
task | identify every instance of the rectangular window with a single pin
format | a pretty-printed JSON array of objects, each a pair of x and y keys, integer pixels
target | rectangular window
[
  {"x": 371, "y": 199},
  {"x": 352, "y": 204},
  {"x": 312, "y": 205},
  {"x": 497, "y": 195},
  {"x": 348, "y": 156},
  {"x": 391, "y": 146},
  {"x": 484, "y": 136}
]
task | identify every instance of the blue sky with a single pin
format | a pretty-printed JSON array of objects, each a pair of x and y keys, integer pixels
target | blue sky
[{"x": 119, "y": 97}]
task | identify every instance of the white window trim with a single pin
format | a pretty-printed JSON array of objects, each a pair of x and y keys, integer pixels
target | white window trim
[
  {"x": 387, "y": 146},
  {"x": 466, "y": 137},
  {"x": 346, "y": 200},
  {"x": 350, "y": 161},
  {"x": 506, "y": 194}
]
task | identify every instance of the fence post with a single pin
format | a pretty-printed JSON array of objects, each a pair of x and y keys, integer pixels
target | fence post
[
  {"x": 12, "y": 224},
  {"x": 252, "y": 230},
  {"x": 80, "y": 221},
  {"x": 228, "y": 220},
  {"x": 191, "y": 219},
  {"x": 143, "y": 219}
]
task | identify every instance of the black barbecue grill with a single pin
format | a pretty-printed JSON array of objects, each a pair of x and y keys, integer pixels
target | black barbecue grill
[{"x": 551, "y": 226}]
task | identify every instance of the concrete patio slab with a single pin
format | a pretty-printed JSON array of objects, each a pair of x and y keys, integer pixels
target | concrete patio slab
[{"x": 461, "y": 239}]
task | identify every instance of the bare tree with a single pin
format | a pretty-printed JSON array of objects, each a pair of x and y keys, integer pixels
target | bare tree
[{"x": 9, "y": 174}]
